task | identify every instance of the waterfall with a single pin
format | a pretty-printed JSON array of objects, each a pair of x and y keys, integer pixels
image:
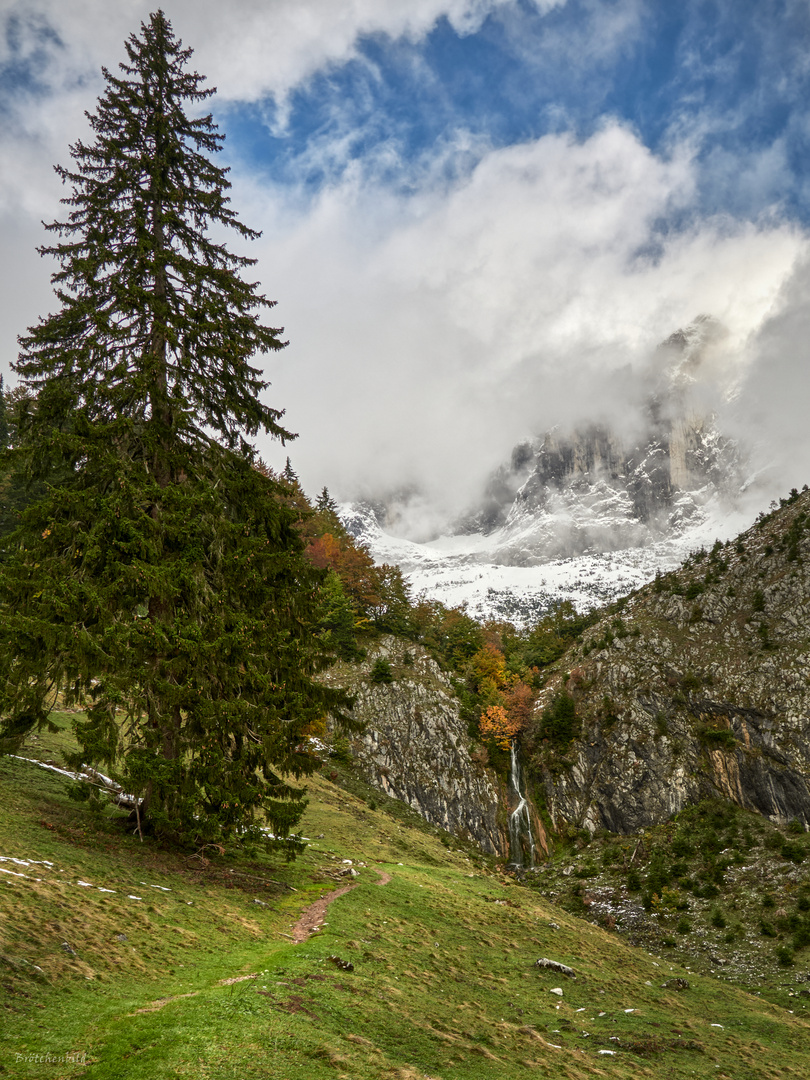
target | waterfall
[{"x": 520, "y": 823}]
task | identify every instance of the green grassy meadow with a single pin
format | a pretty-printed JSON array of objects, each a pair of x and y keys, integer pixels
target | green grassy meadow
[{"x": 428, "y": 976}]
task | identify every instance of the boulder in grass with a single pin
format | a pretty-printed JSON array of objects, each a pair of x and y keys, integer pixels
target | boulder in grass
[{"x": 554, "y": 965}]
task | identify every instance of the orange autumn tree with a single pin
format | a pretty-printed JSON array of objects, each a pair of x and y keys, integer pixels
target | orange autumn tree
[
  {"x": 496, "y": 724},
  {"x": 352, "y": 564},
  {"x": 509, "y": 701},
  {"x": 378, "y": 595},
  {"x": 489, "y": 672}
]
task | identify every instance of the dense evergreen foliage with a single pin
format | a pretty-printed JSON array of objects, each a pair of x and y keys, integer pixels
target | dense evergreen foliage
[
  {"x": 15, "y": 494},
  {"x": 159, "y": 582}
]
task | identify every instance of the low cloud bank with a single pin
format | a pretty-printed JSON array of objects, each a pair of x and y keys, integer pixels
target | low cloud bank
[{"x": 431, "y": 333}]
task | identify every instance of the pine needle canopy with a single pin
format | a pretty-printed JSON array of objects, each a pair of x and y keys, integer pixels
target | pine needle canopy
[
  {"x": 159, "y": 583},
  {"x": 155, "y": 321}
]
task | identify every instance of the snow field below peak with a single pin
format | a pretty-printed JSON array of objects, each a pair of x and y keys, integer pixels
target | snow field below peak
[{"x": 462, "y": 570}]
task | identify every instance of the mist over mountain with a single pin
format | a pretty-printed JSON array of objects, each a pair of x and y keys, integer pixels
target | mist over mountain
[
  {"x": 597, "y": 489},
  {"x": 586, "y": 510},
  {"x": 600, "y": 485}
]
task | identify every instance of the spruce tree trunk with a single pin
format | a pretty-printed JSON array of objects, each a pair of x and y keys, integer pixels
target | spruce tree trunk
[{"x": 164, "y": 719}]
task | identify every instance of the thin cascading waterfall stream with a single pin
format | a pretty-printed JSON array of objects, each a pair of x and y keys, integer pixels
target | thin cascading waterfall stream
[{"x": 520, "y": 822}]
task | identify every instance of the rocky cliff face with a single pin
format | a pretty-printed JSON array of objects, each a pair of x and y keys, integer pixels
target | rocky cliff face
[
  {"x": 415, "y": 746},
  {"x": 699, "y": 686}
]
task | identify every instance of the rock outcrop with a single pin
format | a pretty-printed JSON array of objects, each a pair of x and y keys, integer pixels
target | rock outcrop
[
  {"x": 699, "y": 685},
  {"x": 415, "y": 747}
]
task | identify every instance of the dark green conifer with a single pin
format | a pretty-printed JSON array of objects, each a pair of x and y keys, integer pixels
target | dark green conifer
[
  {"x": 327, "y": 518},
  {"x": 338, "y": 624},
  {"x": 290, "y": 476},
  {"x": 160, "y": 582},
  {"x": 15, "y": 493},
  {"x": 7, "y": 507},
  {"x": 325, "y": 503}
]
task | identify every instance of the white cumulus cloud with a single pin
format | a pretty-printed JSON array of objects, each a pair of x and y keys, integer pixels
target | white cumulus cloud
[{"x": 430, "y": 332}]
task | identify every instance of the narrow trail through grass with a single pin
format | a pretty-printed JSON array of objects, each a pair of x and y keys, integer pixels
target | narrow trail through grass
[{"x": 311, "y": 920}]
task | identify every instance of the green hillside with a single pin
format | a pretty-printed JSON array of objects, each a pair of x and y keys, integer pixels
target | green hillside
[{"x": 142, "y": 962}]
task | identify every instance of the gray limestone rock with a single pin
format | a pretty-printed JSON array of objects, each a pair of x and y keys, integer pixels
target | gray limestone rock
[
  {"x": 699, "y": 707},
  {"x": 555, "y": 965},
  {"x": 415, "y": 747}
]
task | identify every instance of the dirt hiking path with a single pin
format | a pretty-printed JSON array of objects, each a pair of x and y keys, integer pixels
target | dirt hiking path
[{"x": 313, "y": 916}]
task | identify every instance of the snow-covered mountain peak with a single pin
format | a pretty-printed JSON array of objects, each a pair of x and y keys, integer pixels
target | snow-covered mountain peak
[{"x": 588, "y": 513}]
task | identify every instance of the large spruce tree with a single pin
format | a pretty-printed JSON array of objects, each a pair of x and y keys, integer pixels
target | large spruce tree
[{"x": 160, "y": 583}]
